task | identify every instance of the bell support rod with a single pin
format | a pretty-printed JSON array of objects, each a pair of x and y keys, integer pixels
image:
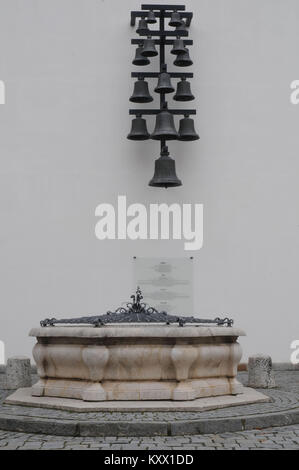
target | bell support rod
[
  {"x": 167, "y": 42},
  {"x": 164, "y": 33},
  {"x": 167, "y": 11},
  {"x": 157, "y": 111},
  {"x": 160, "y": 6},
  {"x": 156, "y": 74},
  {"x": 163, "y": 66},
  {"x": 141, "y": 14}
]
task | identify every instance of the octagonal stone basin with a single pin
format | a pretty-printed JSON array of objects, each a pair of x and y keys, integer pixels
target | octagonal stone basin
[{"x": 136, "y": 362}]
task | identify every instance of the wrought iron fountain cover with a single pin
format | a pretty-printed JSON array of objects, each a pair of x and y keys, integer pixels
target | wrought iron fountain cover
[{"x": 135, "y": 311}]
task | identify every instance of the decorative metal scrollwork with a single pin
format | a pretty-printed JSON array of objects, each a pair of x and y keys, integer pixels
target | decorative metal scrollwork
[{"x": 136, "y": 311}]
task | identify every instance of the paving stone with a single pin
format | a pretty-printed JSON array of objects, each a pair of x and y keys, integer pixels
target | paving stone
[
  {"x": 285, "y": 399},
  {"x": 31, "y": 446}
]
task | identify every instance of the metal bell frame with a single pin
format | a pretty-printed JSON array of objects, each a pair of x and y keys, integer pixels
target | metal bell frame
[{"x": 160, "y": 37}]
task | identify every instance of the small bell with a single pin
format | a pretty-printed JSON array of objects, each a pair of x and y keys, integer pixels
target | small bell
[
  {"x": 142, "y": 27},
  {"x": 187, "y": 131},
  {"x": 164, "y": 84},
  {"x": 165, "y": 174},
  {"x": 181, "y": 29},
  {"x": 164, "y": 128},
  {"x": 183, "y": 92},
  {"x": 141, "y": 93},
  {"x": 138, "y": 129},
  {"x": 178, "y": 47},
  {"x": 183, "y": 60},
  {"x": 149, "y": 48},
  {"x": 151, "y": 18},
  {"x": 140, "y": 59},
  {"x": 175, "y": 19}
]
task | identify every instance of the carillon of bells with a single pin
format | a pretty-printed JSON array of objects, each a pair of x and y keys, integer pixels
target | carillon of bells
[{"x": 165, "y": 128}]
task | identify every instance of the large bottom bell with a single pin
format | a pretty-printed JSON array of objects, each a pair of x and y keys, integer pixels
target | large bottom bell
[{"x": 165, "y": 175}]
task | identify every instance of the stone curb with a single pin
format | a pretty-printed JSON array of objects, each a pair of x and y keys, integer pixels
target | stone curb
[
  {"x": 93, "y": 428},
  {"x": 25, "y": 424},
  {"x": 285, "y": 366},
  {"x": 277, "y": 366}
]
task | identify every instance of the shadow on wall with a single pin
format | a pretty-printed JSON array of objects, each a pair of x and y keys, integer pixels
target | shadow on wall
[{"x": 2, "y": 353}]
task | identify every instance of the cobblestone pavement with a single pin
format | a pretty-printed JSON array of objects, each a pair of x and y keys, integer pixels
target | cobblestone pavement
[
  {"x": 284, "y": 397},
  {"x": 285, "y": 438}
]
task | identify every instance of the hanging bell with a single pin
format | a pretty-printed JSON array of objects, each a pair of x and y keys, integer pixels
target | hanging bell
[
  {"x": 181, "y": 29},
  {"x": 164, "y": 128},
  {"x": 142, "y": 27},
  {"x": 149, "y": 48},
  {"x": 183, "y": 60},
  {"x": 183, "y": 92},
  {"x": 164, "y": 84},
  {"x": 178, "y": 47},
  {"x": 175, "y": 19},
  {"x": 141, "y": 93},
  {"x": 151, "y": 18},
  {"x": 138, "y": 129},
  {"x": 165, "y": 174},
  {"x": 140, "y": 59},
  {"x": 187, "y": 131}
]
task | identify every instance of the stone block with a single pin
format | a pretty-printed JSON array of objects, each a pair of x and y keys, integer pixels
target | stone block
[
  {"x": 268, "y": 420},
  {"x": 34, "y": 425},
  {"x": 18, "y": 373},
  {"x": 212, "y": 426},
  {"x": 260, "y": 372}
]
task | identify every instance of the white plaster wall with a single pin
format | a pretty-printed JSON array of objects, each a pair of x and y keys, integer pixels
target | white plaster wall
[{"x": 66, "y": 66}]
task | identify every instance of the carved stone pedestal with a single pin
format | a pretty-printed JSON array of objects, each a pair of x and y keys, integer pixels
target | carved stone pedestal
[{"x": 144, "y": 362}]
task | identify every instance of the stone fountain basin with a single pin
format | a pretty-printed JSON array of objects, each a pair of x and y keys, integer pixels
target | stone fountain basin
[{"x": 137, "y": 362}]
